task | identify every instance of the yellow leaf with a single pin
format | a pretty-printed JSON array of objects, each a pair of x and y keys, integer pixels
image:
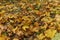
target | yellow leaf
[
  {"x": 50, "y": 33},
  {"x": 24, "y": 27},
  {"x": 41, "y": 36}
]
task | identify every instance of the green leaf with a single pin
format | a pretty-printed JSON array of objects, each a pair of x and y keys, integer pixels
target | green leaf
[
  {"x": 57, "y": 37},
  {"x": 4, "y": 33}
]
